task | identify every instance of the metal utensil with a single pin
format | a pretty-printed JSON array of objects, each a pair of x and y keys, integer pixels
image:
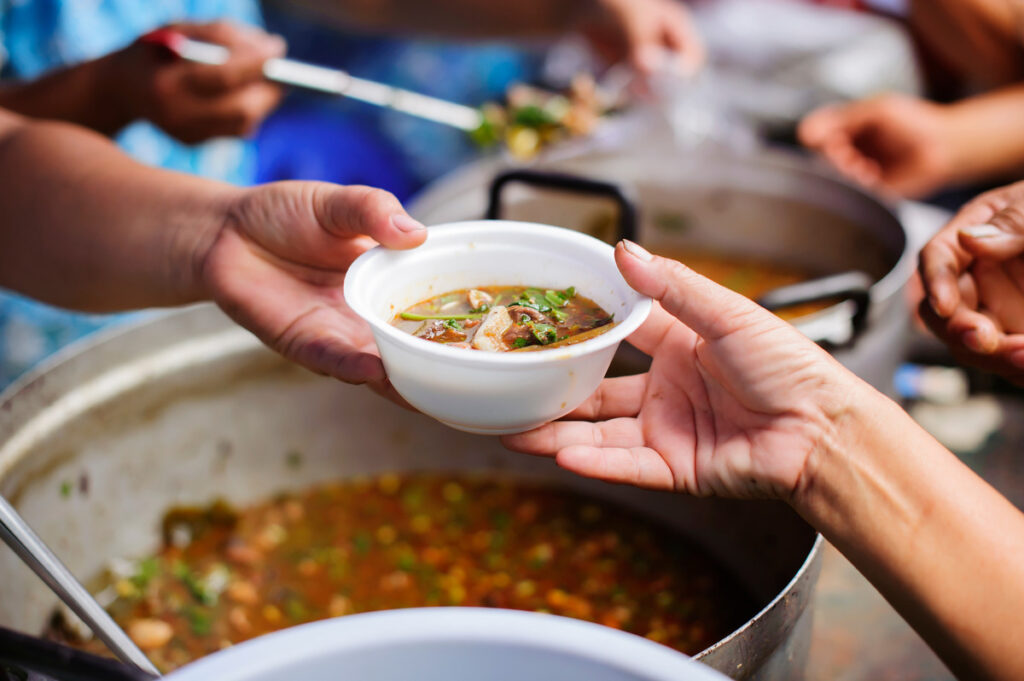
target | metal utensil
[
  {"x": 331, "y": 81},
  {"x": 16, "y": 533}
]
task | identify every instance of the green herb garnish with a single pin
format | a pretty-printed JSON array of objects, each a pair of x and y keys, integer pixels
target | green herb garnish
[
  {"x": 412, "y": 317},
  {"x": 532, "y": 116},
  {"x": 199, "y": 621},
  {"x": 145, "y": 571},
  {"x": 193, "y": 584},
  {"x": 544, "y": 333},
  {"x": 520, "y": 343}
]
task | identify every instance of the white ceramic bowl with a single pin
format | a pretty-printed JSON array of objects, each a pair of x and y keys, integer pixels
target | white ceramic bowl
[
  {"x": 490, "y": 392},
  {"x": 448, "y": 644}
]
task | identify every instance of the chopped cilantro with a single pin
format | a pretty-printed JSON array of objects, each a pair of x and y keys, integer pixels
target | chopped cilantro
[
  {"x": 544, "y": 333},
  {"x": 199, "y": 621},
  {"x": 145, "y": 571},
  {"x": 520, "y": 343}
]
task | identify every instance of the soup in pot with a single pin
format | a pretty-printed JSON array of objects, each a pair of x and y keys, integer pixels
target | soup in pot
[{"x": 400, "y": 541}]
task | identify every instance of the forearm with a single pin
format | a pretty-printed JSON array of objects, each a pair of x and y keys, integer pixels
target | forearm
[
  {"x": 980, "y": 39},
  {"x": 470, "y": 18},
  {"x": 82, "y": 94},
  {"x": 940, "y": 544},
  {"x": 85, "y": 227},
  {"x": 985, "y": 135}
]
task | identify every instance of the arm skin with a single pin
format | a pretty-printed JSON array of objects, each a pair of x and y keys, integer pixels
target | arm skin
[
  {"x": 982, "y": 40},
  {"x": 740, "y": 404},
  {"x": 83, "y": 226}
]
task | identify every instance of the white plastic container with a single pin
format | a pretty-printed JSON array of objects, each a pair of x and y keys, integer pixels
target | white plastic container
[
  {"x": 488, "y": 392},
  {"x": 448, "y": 644}
]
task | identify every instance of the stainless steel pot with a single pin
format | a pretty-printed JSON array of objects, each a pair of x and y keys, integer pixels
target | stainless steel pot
[
  {"x": 188, "y": 408},
  {"x": 765, "y": 205}
]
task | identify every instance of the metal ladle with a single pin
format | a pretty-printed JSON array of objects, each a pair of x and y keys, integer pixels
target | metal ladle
[{"x": 17, "y": 534}]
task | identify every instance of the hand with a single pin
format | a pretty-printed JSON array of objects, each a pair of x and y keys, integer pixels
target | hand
[
  {"x": 973, "y": 275},
  {"x": 736, "y": 402},
  {"x": 643, "y": 32},
  {"x": 278, "y": 263},
  {"x": 894, "y": 143},
  {"x": 195, "y": 102}
]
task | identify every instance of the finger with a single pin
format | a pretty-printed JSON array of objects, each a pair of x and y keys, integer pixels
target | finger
[
  {"x": 248, "y": 52},
  {"x": 549, "y": 439},
  {"x": 638, "y": 466},
  {"x": 681, "y": 37},
  {"x": 999, "y": 294},
  {"x": 236, "y": 114},
  {"x": 614, "y": 398},
  {"x": 819, "y": 126},
  {"x": 711, "y": 310},
  {"x": 347, "y": 212},
  {"x": 941, "y": 263},
  {"x": 651, "y": 333},
  {"x": 968, "y": 290},
  {"x": 976, "y": 331},
  {"x": 1000, "y": 238}
]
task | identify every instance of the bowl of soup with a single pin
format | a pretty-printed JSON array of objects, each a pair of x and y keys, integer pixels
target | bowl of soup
[{"x": 495, "y": 326}]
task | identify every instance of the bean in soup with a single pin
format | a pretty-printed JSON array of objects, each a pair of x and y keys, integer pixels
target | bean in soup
[{"x": 506, "y": 318}]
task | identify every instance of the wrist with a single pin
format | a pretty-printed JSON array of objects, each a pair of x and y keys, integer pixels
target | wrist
[
  {"x": 113, "y": 92},
  {"x": 189, "y": 245},
  {"x": 862, "y": 426}
]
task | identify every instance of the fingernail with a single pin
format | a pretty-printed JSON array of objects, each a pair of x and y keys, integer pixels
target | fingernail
[
  {"x": 636, "y": 250},
  {"x": 404, "y": 223},
  {"x": 976, "y": 341},
  {"x": 985, "y": 231}
]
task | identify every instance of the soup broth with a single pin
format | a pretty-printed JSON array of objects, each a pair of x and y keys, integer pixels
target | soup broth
[
  {"x": 224, "y": 575},
  {"x": 506, "y": 318}
]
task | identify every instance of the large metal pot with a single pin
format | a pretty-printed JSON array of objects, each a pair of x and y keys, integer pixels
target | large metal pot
[
  {"x": 770, "y": 206},
  {"x": 189, "y": 408}
]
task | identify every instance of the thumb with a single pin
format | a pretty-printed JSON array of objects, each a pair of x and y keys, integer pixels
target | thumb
[
  {"x": 355, "y": 210},
  {"x": 1001, "y": 238},
  {"x": 711, "y": 310}
]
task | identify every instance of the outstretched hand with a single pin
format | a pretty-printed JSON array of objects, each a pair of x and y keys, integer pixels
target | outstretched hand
[
  {"x": 278, "y": 263},
  {"x": 894, "y": 143},
  {"x": 736, "y": 401},
  {"x": 973, "y": 274}
]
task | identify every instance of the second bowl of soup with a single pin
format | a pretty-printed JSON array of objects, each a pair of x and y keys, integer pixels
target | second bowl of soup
[{"x": 496, "y": 326}]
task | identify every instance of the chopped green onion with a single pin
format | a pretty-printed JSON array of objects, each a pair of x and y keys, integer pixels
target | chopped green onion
[
  {"x": 520, "y": 343},
  {"x": 409, "y": 316}
]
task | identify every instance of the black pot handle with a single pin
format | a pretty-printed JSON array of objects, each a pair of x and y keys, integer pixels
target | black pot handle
[
  {"x": 853, "y": 285},
  {"x": 566, "y": 183},
  {"x": 36, "y": 659}
]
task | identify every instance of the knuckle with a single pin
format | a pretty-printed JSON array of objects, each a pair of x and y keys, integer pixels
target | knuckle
[{"x": 1010, "y": 218}]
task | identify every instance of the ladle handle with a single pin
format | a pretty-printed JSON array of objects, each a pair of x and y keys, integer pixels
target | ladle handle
[
  {"x": 566, "y": 183},
  {"x": 16, "y": 533},
  {"x": 853, "y": 285}
]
